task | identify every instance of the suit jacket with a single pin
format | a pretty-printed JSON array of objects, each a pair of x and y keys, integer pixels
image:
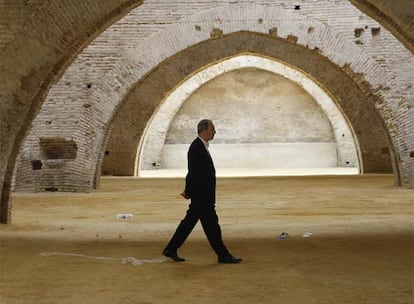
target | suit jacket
[{"x": 201, "y": 177}]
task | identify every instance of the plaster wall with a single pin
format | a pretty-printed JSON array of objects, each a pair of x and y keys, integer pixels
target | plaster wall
[
  {"x": 249, "y": 105},
  {"x": 257, "y": 156},
  {"x": 252, "y": 106},
  {"x": 252, "y": 110}
]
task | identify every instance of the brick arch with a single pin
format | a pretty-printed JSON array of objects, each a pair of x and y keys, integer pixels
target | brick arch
[
  {"x": 150, "y": 91},
  {"x": 156, "y": 131},
  {"x": 394, "y": 16},
  {"x": 31, "y": 73},
  {"x": 33, "y": 58},
  {"x": 37, "y": 55},
  {"x": 374, "y": 81}
]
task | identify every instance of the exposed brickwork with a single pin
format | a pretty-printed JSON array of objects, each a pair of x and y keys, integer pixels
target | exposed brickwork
[
  {"x": 47, "y": 34},
  {"x": 13, "y": 17},
  {"x": 397, "y": 16},
  {"x": 34, "y": 53},
  {"x": 115, "y": 85},
  {"x": 363, "y": 62},
  {"x": 366, "y": 123}
]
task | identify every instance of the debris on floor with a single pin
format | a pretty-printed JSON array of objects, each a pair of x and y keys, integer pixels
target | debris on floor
[
  {"x": 307, "y": 234},
  {"x": 283, "y": 236},
  {"x": 124, "y": 216},
  {"x": 127, "y": 260}
]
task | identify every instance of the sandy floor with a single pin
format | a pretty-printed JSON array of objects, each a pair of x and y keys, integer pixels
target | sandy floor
[{"x": 71, "y": 248}]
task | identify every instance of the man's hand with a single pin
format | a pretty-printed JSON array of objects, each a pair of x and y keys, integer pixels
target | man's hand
[{"x": 185, "y": 195}]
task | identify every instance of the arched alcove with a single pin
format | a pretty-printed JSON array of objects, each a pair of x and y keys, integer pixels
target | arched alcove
[
  {"x": 273, "y": 116},
  {"x": 130, "y": 121}
]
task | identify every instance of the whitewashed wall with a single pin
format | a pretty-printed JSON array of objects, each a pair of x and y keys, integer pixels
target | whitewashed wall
[
  {"x": 258, "y": 156},
  {"x": 258, "y": 115}
]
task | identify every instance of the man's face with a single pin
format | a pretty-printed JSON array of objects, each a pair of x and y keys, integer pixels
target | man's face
[{"x": 210, "y": 132}]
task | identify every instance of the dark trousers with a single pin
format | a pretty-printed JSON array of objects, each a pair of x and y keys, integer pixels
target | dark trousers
[{"x": 209, "y": 221}]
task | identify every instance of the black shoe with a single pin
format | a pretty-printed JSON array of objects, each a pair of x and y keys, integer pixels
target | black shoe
[
  {"x": 229, "y": 260},
  {"x": 173, "y": 255}
]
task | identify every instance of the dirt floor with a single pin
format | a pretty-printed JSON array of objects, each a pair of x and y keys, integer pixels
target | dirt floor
[{"x": 71, "y": 248}]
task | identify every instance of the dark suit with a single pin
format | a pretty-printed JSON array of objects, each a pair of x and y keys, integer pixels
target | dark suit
[{"x": 200, "y": 186}]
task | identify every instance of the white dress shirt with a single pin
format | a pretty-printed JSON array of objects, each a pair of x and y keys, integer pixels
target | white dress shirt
[{"x": 206, "y": 144}]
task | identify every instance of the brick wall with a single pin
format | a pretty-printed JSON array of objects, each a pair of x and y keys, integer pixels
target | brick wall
[
  {"x": 38, "y": 40},
  {"x": 85, "y": 100},
  {"x": 367, "y": 126},
  {"x": 92, "y": 102}
]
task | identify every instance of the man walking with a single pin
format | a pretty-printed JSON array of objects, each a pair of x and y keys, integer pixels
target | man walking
[{"x": 200, "y": 187}]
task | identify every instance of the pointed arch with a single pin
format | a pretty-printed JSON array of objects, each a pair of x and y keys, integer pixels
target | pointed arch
[{"x": 154, "y": 137}]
